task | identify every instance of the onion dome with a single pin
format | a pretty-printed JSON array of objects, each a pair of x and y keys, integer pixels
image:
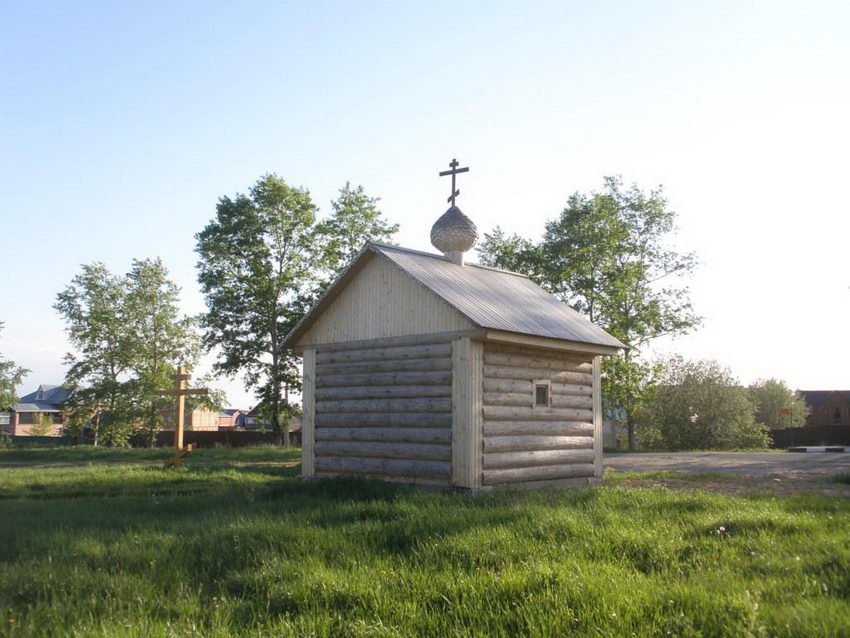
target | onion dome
[{"x": 453, "y": 234}]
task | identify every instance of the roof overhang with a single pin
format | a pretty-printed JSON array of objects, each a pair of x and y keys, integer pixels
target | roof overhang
[{"x": 546, "y": 343}]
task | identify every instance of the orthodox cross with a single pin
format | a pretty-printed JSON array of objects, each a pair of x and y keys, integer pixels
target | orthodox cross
[
  {"x": 180, "y": 391},
  {"x": 454, "y": 171}
]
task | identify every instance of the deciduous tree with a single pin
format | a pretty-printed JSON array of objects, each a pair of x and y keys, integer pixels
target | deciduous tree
[
  {"x": 160, "y": 338},
  {"x": 776, "y": 405},
  {"x": 607, "y": 255},
  {"x": 11, "y": 377},
  {"x": 699, "y": 405},
  {"x": 263, "y": 260},
  {"x": 92, "y": 306}
]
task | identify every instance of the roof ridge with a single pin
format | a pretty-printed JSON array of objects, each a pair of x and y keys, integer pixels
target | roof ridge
[{"x": 443, "y": 258}]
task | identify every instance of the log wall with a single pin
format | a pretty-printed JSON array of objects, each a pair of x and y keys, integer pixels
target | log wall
[
  {"x": 523, "y": 443},
  {"x": 384, "y": 411}
]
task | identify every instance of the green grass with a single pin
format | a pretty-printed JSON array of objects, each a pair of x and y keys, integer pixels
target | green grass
[{"x": 107, "y": 543}]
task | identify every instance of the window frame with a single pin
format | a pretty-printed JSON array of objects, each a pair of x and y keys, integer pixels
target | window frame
[{"x": 538, "y": 383}]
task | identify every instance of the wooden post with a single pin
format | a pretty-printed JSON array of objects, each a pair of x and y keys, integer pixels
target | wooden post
[
  {"x": 179, "y": 414},
  {"x": 308, "y": 414},
  {"x": 180, "y": 391},
  {"x": 597, "y": 416},
  {"x": 467, "y": 412}
]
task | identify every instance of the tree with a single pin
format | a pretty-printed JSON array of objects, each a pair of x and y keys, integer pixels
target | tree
[
  {"x": 128, "y": 337},
  {"x": 92, "y": 306},
  {"x": 256, "y": 259},
  {"x": 43, "y": 425},
  {"x": 699, "y": 405},
  {"x": 607, "y": 256},
  {"x": 355, "y": 220},
  {"x": 263, "y": 260},
  {"x": 160, "y": 338},
  {"x": 11, "y": 377},
  {"x": 776, "y": 405}
]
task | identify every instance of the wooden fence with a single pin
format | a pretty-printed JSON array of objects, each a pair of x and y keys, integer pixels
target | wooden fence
[
  {"x": 221, "y": 438},
  {"x": 814, "y": 436}
]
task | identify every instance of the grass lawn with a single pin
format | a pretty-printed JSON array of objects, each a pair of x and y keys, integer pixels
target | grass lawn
[{"x": 107, "y": 543}]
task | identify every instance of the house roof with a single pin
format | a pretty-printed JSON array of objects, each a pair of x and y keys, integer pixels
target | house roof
[
  {"x": 490, "y": 298},
  {"x": 816, "y": 398},
  {"x": 52, "y": 399}
]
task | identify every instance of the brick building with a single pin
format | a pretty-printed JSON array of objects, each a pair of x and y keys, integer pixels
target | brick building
[
  {"x": 827, "y": 407},
  {"x": 41, "y": 412}
]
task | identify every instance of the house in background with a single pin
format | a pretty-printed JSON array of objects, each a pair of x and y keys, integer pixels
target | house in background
[
  {"x": 827, "y": 407},
  {"x": 200, "y": 420},
  {"x": 42, "y": 411},
  {"x": 254, "y": 419},
  {"x": 231, "y": 418}
]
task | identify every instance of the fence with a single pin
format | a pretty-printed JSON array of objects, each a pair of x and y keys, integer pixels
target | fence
[
  {"x": 814, "y": 435},
  {"x": 220, "y": 438},
  {"x": 37, "y": 441}
]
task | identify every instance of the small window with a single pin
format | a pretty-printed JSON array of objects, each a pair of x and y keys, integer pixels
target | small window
[
  {"x": 39, "y": 396},
  {"x": 542, "y": 398},
  {"x": 836, "y": 415}
]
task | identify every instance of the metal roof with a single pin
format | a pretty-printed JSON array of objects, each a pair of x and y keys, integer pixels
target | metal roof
[
  {"x": 35, "y": 407},
  {"x": 815, "y": 398},
  {"x": 51, "y": 399},
  {"x": 490, "y": 298}
]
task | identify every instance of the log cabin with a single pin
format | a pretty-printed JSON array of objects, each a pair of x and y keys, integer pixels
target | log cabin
[{"x": 424, "y": 369}]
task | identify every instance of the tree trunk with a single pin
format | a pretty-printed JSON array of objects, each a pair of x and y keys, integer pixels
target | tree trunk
[
  {"x": 630, "y": 424},
  {"x": 286, "y": 442}
]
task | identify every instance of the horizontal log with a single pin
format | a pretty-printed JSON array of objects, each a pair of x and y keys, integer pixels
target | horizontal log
[
  {"x": 495, "y": 357},
  {"x": 385, "y": 379},
  {"x": 542, "y": 428},
  {"x": 512, "y": 372},
  {"x": 385, "y": 392},
  {"x": 427, "y": 351},
  {"x": 407, "y": 340},
  {"x": 542, "y": 473},
  {"x": 368, "y": 367},
  {"x": 385, "y": 467},
  {"x": 429, "y": 481},
  {"x": 385, "y": 450},
  {"x": 508, "y": 398},
  {"x": 386, "y": 419},
  {"x": 385, "y": 405},
  {"x": 511, "y": 413},
  {"x": 396, "y": 435},
  {"x": 535, "y": 442},
  {"x": 536, "y": 458},
  {"x": 525, "y": 386},
  {"x": 520, "y": 400}
]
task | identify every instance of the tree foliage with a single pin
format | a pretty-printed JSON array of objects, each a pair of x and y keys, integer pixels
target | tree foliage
[
  {"x": 161, "y": 338},
  {"x": 607, "y": 255},
  {"x": 128, "y": 337},
  {"x": 776, "y": 405},
  {"x": 11, "y": 377},
  {"x": 699, "y": 405},
  {"x": 262, "y": 260}
]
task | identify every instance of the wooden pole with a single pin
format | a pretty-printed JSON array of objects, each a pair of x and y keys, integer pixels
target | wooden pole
[{"x": 180, "y": 411}]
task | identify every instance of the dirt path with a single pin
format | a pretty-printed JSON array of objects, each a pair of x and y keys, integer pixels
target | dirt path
[{"x": 739, "y": 472}]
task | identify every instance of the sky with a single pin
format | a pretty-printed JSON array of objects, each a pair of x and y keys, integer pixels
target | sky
[{"x": 121, "y": 124}]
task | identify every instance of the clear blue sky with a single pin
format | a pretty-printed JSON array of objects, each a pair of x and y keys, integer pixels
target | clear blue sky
[{"x": 122, "y": 123}]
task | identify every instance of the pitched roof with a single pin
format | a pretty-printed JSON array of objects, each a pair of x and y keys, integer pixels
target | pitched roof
[
  {"x": 490, "y": 298},
  {"x": 51, "y": 400},
  {"x": 815, "y": 398}
]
